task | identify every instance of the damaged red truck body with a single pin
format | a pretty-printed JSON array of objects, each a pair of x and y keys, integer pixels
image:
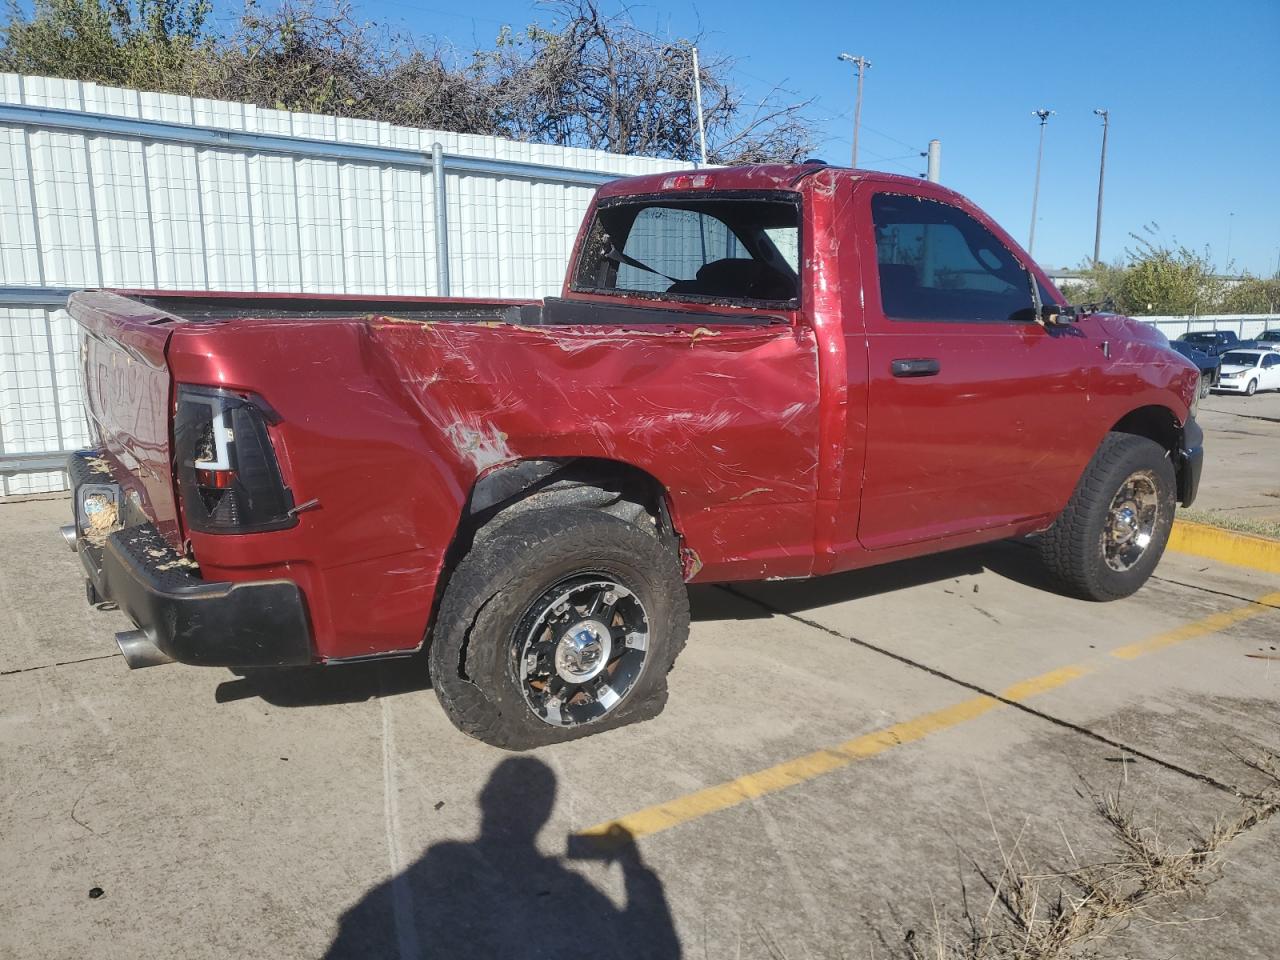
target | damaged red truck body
[{"x": 758, "y": 372}]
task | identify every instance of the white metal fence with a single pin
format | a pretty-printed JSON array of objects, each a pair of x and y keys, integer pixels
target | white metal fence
[
  {"x": 108, "y": 187},
  {"x": 1245, "y": 326}
]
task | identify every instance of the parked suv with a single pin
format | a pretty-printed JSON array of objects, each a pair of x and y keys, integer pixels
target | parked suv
[{"x": 755, "y": 372}]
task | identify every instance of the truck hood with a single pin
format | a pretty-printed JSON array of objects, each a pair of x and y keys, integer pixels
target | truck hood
[{"x": 1127, "y": 328}]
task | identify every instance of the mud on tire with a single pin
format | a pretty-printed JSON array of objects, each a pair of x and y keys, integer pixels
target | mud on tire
[
  {"x": 480, "y": 642},
  {"x": 1095, "y": 549}
]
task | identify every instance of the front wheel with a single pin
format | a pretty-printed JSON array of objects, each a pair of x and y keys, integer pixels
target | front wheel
[
  {"x": 561, "y": 623},
  {"x": 1108, "y": 540},
  {"x": 1251, "y": 388}
]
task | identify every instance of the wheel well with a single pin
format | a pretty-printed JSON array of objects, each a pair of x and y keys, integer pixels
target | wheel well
[
  {"x": 1155, "y": 423},
  {"x": 610, "y": 486}
]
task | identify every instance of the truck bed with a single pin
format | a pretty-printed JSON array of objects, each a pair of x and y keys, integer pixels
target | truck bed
[{"x": 212, "y": 307}]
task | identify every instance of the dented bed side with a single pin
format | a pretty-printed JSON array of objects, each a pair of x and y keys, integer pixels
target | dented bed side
[{"x": 725, "y": 419}]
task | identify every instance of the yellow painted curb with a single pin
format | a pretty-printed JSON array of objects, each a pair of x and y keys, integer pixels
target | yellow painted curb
[{"x": 1225, "y": 546}]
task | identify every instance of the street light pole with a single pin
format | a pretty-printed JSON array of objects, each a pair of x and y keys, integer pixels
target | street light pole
[
  {"x": 860, "y": 64},
  {"x": 1044, "y": 116},
  {"x": 697, "y": 97},
  {"x": 1102, "y": 172},
  {"x": 1231, "y": 219},
  {"x": 933, "y": 168}
]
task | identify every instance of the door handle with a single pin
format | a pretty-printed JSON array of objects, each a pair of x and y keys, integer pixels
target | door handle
[{"x": 921, "y": 367}]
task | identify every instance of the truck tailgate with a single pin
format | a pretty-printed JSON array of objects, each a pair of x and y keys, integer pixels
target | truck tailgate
[{"x": 128, "y": 398}]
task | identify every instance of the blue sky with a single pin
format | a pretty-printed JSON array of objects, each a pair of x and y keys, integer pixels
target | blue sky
[{"x": 1193, "y": 90}]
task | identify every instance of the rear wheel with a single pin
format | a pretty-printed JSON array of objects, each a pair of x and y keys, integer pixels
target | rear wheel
[
  {"x": 1205, "y": 385},
  {"x": 562, "y": 623},
  {"x": 1114, "y": 530}
]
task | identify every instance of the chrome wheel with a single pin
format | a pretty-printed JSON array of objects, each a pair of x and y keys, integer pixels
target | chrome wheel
[
  {"x": 1131, "y": 521},
  {"x": 580, "y": 649}
]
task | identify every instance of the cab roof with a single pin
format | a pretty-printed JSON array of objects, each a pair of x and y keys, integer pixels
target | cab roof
[{"x": 764, "y": 176}]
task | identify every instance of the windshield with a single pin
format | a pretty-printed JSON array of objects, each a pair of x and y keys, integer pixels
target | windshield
[
  {"x": 1241, "y": 358},
  {"x": 1271, "y": 336}
]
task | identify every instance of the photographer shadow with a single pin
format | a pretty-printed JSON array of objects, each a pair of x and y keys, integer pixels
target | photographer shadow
[{"x": 499, "y": 896}]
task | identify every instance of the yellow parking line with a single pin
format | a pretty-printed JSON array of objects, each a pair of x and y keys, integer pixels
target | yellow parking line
[
  {"x": 1211, "y": 624},
  {"x": 790, "y": 773}
]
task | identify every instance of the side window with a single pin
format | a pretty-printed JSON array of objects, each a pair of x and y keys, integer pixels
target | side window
[
  {"x": 787, "y": 242},
  {"x": 937, "y": 263},
  {"x": 1272, "y": 361}
]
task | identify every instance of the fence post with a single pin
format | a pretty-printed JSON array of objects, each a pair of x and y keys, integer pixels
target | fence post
[{"x": 442, "y": 222}]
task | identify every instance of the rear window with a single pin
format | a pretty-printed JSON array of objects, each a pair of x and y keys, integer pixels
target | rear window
[
  {"x": 1241, "y": 358},
  {"x": 721, "y": 250}
]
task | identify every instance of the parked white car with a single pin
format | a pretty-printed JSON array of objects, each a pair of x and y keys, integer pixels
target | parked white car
[{"x": 1248, "y": 371}]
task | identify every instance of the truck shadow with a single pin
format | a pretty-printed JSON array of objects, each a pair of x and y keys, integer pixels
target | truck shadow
[
  {"x": 357, "y": 682},
  {"x": 1011, "y": 559},
  {"x": 498, "y": 895}
]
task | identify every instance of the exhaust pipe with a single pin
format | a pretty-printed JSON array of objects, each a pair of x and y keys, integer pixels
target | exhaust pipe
[
  {"x": 139, "y": 651},
  {"x": 69, "y": 534}
]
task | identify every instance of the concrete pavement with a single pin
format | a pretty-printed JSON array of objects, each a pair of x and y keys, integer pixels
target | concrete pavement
[{"x": 1243, "y": 458}]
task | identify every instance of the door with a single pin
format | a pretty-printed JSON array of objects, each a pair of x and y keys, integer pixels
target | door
[
  {"x": 977, "y": 415},
  {"x": 1270, "y": 372}
]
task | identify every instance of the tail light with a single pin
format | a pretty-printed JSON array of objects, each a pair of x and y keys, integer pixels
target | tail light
[{"x": 227, "y": 472}]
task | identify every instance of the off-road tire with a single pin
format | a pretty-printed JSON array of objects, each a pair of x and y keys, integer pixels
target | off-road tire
[
  {"x": 1072, "y": 549},
  {"x": 1206, "y": 384},
  {"x": 503, "y": 574},
  {"x": 1251, "y": 389}
]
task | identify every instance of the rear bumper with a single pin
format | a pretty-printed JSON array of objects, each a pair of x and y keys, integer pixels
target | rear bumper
[
  {"x": 1190, "y": 462},
  {"x": 191, "y": 620}
]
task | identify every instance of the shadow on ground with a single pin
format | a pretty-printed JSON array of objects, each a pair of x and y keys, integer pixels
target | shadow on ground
[
  {"x": 499, "y": 896},
  {"x": 357, "y": 682},
  {"x": 1014, "y": 560},
  {"x": 321, "y": 686}
]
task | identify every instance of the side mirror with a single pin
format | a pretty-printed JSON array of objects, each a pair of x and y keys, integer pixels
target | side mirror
[{"x": 1051, "y": 313}]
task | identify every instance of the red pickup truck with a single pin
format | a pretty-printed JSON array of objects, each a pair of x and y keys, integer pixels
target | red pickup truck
[{"x": 757, "y": 372}]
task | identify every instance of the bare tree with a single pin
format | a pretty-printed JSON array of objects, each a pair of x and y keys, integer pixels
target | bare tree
[
  {"x": 600, "y": 81},
  {"x": 584, "y": 79}
]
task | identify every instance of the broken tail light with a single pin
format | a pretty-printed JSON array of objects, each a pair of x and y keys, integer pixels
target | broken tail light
[{"x": 228, "y": 475}]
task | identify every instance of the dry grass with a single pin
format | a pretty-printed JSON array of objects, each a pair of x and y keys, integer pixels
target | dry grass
[
  {"x": 1214, "y": 518},
  {"x": 1071, "y": 912}
]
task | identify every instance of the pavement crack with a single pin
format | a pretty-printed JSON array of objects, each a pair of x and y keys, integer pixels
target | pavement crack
[
  {"x": 994, "y": 695},
  {"x": 1246, "y": 416},
  {"x": 1218, "y": 593},
  {"x": 60, "y": 663}
]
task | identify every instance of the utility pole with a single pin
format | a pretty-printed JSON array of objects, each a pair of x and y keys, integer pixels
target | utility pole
[
  {"x": 933, "y": 168},
  {"x": 1044, "y": 116},
  {"x": 1102, "y": 172},
  {"x": 860, "y": 64},
  {"x": 697, "y": 98}
]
